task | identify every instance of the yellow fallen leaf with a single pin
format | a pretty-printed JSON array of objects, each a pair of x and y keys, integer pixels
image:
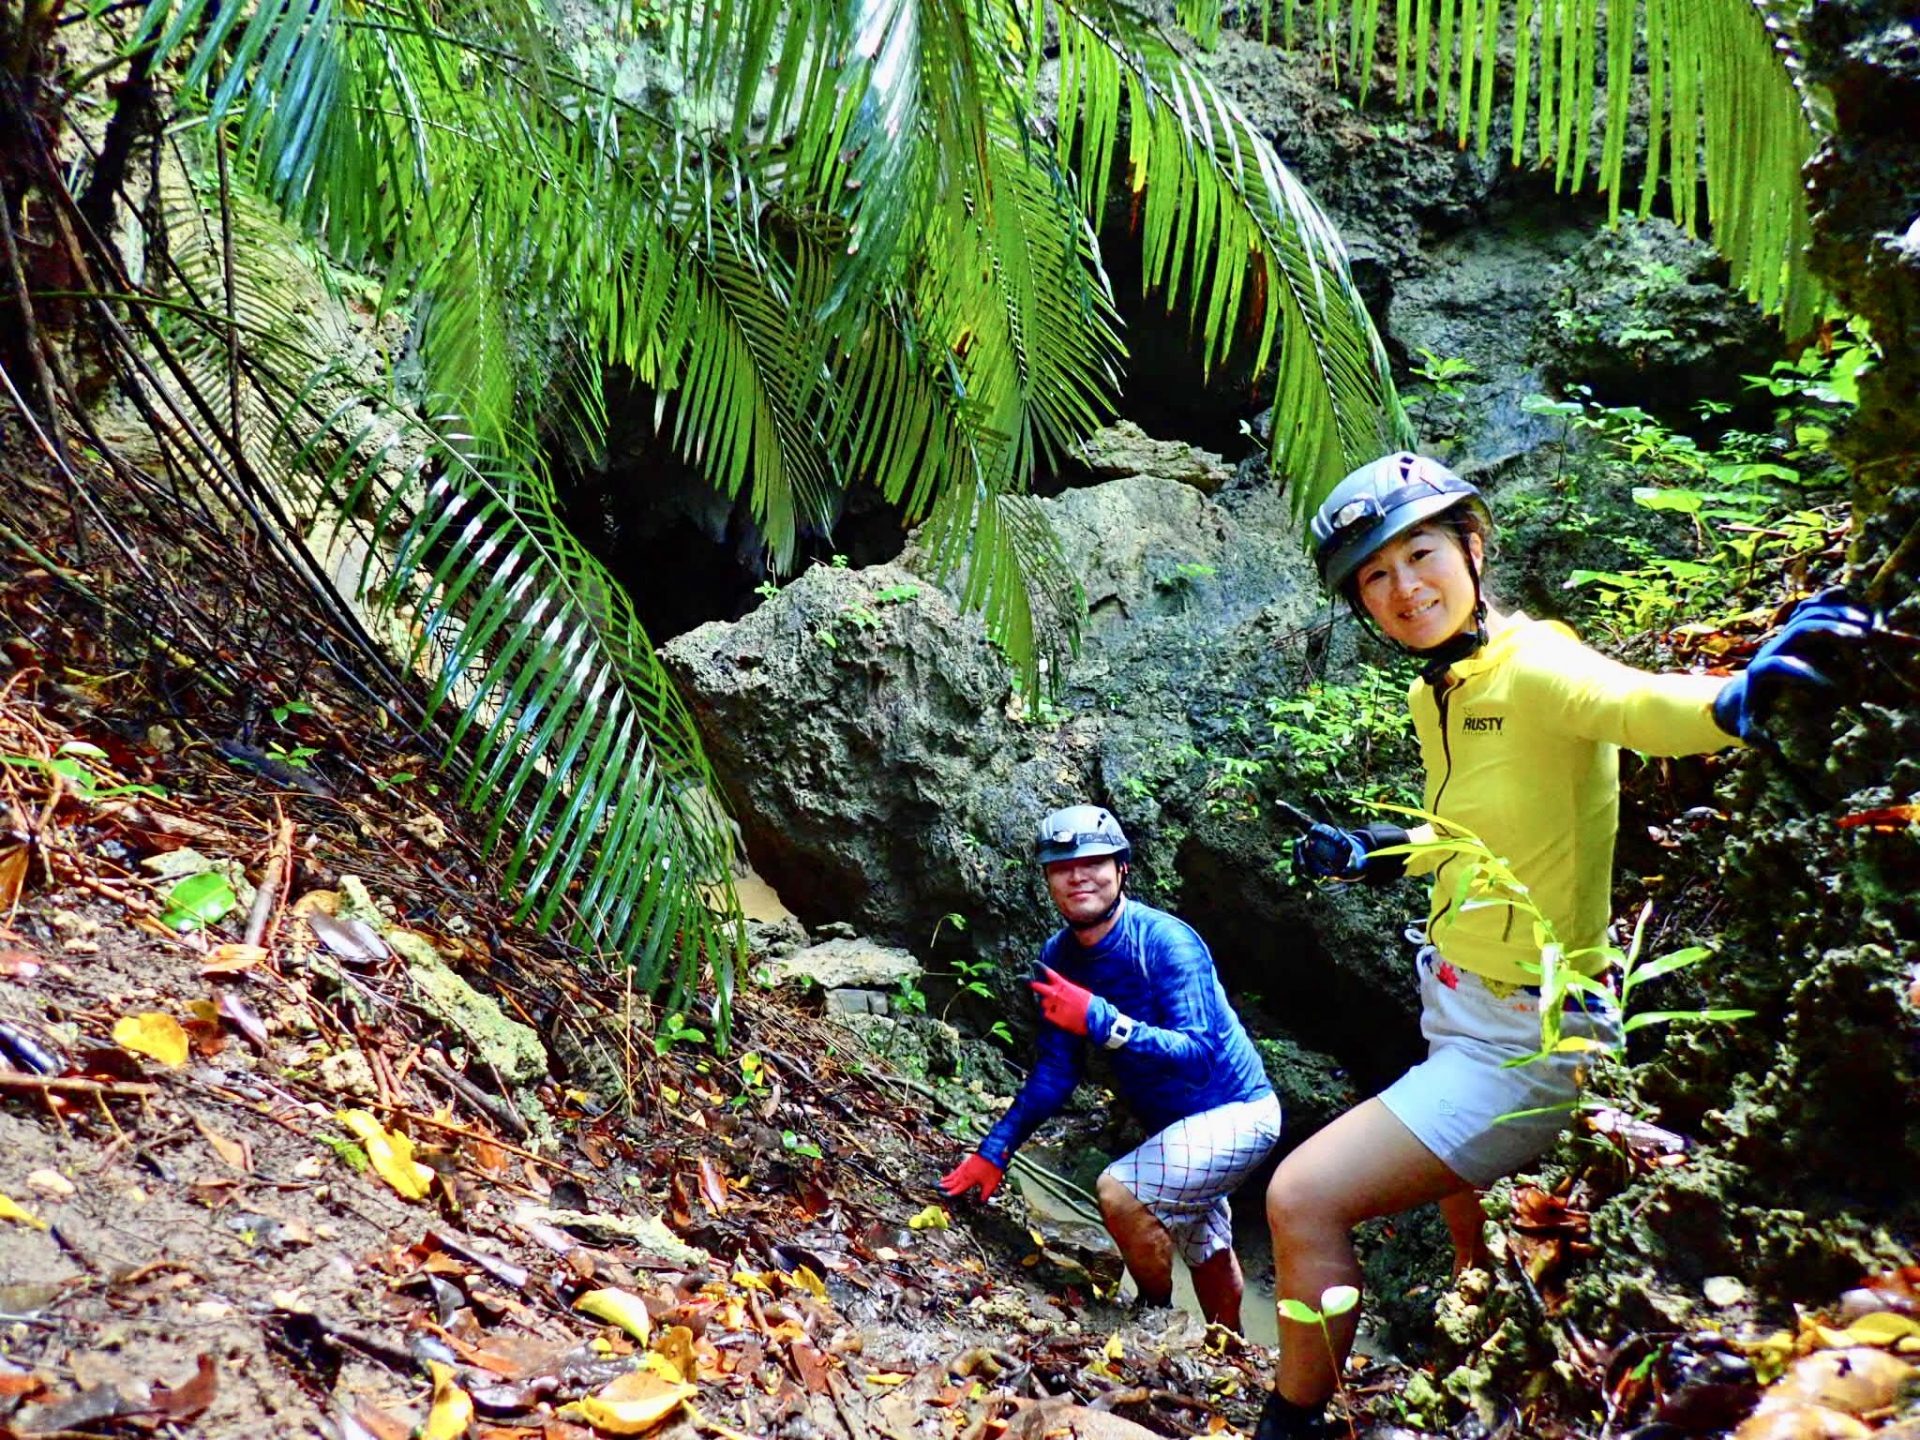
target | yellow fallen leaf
[
  {"x": 746, "y": 1280},
  {"x": 617, "y": 1307},
  {"x": 673, "y": 1353},
  {"x": 159, "y": 1037},
  {"x": 390, "y": 1154},
  {"x": 810, "y": 1282},
  {"x": 886, "y": 1377},
  {"x": 452, "y": 1413},
  {"x": 1882, "y": 1327},
  {"x": 11, "y": 1209},
  {"x": 1116, "y": 1347},
  {"x": 631, "y": 1405},
  {"x": 232, "y": 959},
  {"x": 931, "y": 1218}
]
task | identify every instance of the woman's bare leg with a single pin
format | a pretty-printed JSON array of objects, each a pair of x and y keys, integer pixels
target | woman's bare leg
[
  {"x": 1364, "y": 1164},
  {"x": 1467, "y": 1228}
]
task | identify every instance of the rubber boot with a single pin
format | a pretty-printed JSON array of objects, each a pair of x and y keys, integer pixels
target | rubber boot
[{"x": 1281, "y": 1419}]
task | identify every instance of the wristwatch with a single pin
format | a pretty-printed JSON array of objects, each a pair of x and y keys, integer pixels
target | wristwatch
[{"x": 1121, "y": 1032}]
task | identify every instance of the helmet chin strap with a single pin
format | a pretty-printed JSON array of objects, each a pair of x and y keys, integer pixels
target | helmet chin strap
[{"x": 1107, "y": 914}]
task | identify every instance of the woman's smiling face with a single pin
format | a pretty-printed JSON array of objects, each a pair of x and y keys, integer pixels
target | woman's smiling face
[{"x": 1418, "y": 587}]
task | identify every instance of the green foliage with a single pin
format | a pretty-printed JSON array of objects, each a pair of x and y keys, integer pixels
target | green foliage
[
  {"x": 1726, "y": 112},
  {"x": 1342, "y": 742},
  {"x": 1442, "y": 373},
  {"x": 1483, "y": 878},
  {"x": 1751, "y": 501},
  {"x": 849, "y": 249},
  {"x": 673, "y": 1030}
]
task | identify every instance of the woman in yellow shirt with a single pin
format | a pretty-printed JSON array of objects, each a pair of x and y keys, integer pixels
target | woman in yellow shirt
[{"x": 1520, "y": 727}]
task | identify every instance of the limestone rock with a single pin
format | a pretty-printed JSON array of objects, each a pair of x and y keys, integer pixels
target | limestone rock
[
  {"x": 847, "y": 964},
  {"x": 508, "y": 1046},
  {"x": 1125, "y": 449}
]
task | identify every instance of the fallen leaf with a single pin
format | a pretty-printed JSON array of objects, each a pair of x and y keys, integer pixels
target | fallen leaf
[
  {"x": 931, "y": 1218},
  {"x": 18, "y": 965},
  {"x": 631, "y": 1405},
  {"x": 236, "y": 1153},
  {"x": 199, "y": 900},
  {"x": 184, "y": 1402},
  {"x": 674, "y": 1348},
  {"x": 390, "y": 1154},
  {"x": 451, "y": 1414},
  {"x": 713, "y": 1187},
  {"x": 242, "y": 1016},
  {"x": 13, "y": 874},
  {"x": 618, "y": 1307},
  {"x": 232, "y": 960},
  {"x": 354, "y": 940},
  {"x": 158, "y": 1037},
  {"x": 12, "y": 1210}
]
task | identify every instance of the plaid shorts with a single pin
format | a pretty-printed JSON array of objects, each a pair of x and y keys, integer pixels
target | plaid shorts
[
  {"x": 1183, "y": 1174},
  {"x": 1453, "y": 1100}
]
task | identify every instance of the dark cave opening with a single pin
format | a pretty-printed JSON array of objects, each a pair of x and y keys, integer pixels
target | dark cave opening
[{"x": 685, "y": 552}]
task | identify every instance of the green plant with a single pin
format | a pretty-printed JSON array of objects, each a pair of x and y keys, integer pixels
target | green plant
[
  {"x": 1335, "y": 1300},
  {"x": 281, "y": 711},
  {"x": 673, "y": 1030},
  {"x": 1443, "y": 372},
  {"x": 1713, "y": 69},
  {"x": 796, "y": 1144},
  {"x": 66, "y": 766},
  {"x": 298, "y": 756},
  {"x": 1486, "y": 879},
  {"x": 1341, "y": 742}
]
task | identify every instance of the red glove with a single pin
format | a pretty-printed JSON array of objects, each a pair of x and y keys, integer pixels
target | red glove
[
  {"x": 972, "y": 1171},
  {"x": 1062, "y": 1001}
]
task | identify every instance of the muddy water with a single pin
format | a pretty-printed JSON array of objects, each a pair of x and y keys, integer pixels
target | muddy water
[{"x": 1081, "y": 1223}]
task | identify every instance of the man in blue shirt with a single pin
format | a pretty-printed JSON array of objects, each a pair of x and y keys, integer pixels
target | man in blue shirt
[{"x": 1141, "y": 985}]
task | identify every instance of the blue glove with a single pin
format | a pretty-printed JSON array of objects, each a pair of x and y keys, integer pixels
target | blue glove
[
  {"x": 1804, "y": 656},
  {"x": 1326, "y": 852}
]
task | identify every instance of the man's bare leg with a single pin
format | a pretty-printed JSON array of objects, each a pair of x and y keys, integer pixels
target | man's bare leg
[
  {"x": 1218, "y": 1286},
  {"x": 1143, "y": 1241}
]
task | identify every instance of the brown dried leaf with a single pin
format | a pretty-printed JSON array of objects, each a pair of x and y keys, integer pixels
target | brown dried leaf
[
  {"x": 184, "y": 1402},
  {"x": 237, "y": 1153},
  {"x": 13, "y": 874},
  {"x": 713, "y": 1187}
]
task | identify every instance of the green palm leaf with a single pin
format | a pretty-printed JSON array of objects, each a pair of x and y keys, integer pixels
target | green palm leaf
[
  {"x": 1220, "y": 211},
  {"x": 1725, "y": 107}
]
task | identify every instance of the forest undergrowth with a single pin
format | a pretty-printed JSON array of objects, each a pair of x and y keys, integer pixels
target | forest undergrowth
[{"x": 303, "y": 1135}]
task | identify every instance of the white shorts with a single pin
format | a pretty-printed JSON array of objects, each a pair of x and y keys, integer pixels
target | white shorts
[
  {"x": 1184, "y": 1174},
  {"x": 1453, "y": 1100}
]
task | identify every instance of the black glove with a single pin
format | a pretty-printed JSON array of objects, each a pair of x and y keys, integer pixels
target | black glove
[
  {"x": 1326, "y": 852},
  {"x": 1806, "y": 656}
]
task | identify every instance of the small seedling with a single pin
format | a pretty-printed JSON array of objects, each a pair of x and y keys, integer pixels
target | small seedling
[{"x": 1334, "y": 1300}]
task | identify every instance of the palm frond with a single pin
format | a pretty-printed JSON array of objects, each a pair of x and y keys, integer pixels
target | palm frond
[
  {"x": 573, "y": 743},
  {"x": 578, "y": 750},
  {"x": 1226, "y": 225},
  {"x": 1726, "y": 108}
]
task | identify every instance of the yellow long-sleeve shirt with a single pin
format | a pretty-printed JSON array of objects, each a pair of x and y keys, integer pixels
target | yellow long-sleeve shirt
[{"x": 1522, "y": 748}]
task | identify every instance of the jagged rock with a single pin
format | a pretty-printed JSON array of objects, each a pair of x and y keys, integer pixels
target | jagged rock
[
  {"x": 864, "y": 733},
  {"x": 1642, "y": 315},
  {"x": 1125, "y": 449},
  {"x": 847, "y": 964}
]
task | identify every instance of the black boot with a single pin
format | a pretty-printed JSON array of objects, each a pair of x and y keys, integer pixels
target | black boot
[{"x": 1281, "y": 1419}]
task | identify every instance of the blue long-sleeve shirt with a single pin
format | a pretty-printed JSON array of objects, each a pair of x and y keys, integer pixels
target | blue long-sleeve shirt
[{"x": 1188, "y": 1051}]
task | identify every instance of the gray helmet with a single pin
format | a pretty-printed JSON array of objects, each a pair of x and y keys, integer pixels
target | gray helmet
[
  {"x": 1080, "y": 831},
  {"x": 1382, "y": 499}
]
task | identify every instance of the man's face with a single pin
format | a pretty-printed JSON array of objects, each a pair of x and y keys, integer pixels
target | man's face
[{"x": 1083, "y": 889}]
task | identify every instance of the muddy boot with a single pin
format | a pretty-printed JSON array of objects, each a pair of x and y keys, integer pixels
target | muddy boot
[{"x": 1281, "y": 1419}]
